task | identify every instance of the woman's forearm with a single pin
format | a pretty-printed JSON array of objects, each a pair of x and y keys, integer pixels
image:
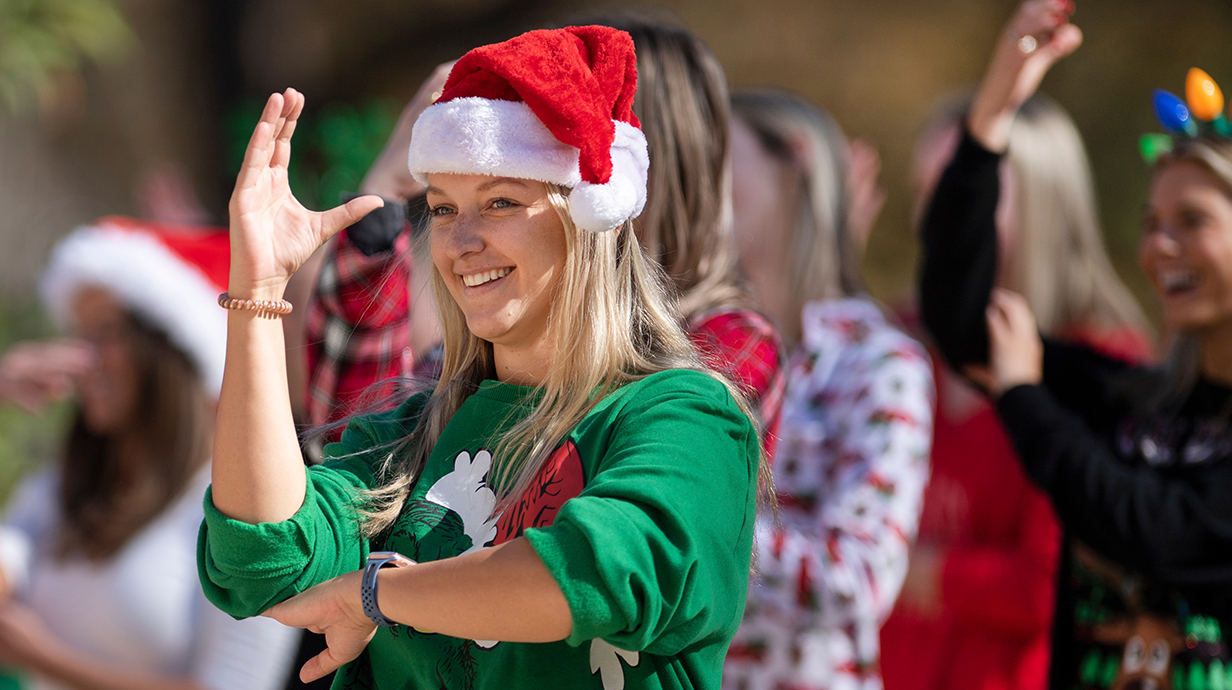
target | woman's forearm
[
  {"x": 502, "y": 593},
  {"x": 258, "y": 472}
]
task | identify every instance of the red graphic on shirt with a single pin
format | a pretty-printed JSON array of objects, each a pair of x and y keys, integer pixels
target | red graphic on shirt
[{"x": 560, "y": 480}]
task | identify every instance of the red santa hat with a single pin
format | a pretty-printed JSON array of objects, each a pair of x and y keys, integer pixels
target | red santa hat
[
  {"x": 552, "y": 105},
  {"x": 168, "y": 275}
]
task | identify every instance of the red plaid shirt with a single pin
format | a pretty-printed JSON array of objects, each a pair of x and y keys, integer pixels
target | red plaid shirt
[
  {"x": 743, "y": 345},
  {"x": 358, "y": 330}
]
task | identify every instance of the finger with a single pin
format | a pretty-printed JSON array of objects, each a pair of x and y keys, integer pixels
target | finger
[
  {"x": 1040, "y": 19},
  {"x": 330, "y": 222},
  {"x": 260, "y": 144},
  {"x": 280, "y": 122},
  {"x": 1064, "y": 42},
  {"x": 997, "y": 322},
  {"x": 282, "y": 142},
  {"x": 320, "y": 666}
]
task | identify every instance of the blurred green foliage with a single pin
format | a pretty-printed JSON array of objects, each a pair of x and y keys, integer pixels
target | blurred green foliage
[
  {"x": 39, "y": 38},
  {"x": 27, "y": 441},
  {"x": 333, "y": 147}
]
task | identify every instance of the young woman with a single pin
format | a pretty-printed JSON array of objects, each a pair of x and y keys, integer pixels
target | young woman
[
  {"x": 577, "y": 493},
  {"x": 1136, "y": 461},
  {"x": 682, "y": 103},
  {"x": 976, "y": 607},
  {"x": 97, "y": 554},
  {"x": 852, "y": 457}
]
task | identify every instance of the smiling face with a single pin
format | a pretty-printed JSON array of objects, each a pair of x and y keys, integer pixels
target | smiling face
[
  {"x": 499, "y": 245},
  {"x": 1186, "y": 247},
  {"x": 108, "y": 392}
]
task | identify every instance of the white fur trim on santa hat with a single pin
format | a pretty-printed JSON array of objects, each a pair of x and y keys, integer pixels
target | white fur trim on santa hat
[
  {"x": 479, "y": 136},
  {"x": 600, "y": 207},
  {"x": 148, "y": 278}
]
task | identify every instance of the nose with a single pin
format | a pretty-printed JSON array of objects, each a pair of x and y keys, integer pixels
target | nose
[
  {"x": 1161, "y": 242},
  {"x": 464, "y": 235}
]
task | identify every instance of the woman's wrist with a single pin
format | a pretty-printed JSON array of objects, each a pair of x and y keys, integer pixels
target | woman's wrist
[{"x": 256, "y": 290}]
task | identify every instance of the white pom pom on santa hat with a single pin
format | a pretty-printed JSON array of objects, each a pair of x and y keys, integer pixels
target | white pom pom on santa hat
[
  {"x": 554, "y": 106},
  {"x": 168, "y": 276}
]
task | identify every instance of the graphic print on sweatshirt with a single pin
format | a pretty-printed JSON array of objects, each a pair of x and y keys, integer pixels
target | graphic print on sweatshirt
[{"x": 456, "y": 517}]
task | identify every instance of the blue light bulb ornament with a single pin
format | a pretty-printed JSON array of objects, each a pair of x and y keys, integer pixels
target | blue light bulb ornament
[{"x": 1173, "y": 114}]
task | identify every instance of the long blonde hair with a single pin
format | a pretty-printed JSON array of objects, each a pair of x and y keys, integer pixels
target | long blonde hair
[
  {"x": 682, "y": 102},
  {"x": 613, "y": 323},
  {"x": 821, "y": 259},
  {"x": 1061, "y": 265}
]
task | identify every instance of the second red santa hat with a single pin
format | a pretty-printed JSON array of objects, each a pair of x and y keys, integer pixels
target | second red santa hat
[{"x": 554, "y": 106}]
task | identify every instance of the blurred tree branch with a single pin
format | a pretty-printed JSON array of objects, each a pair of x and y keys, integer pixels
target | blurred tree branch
[{"x": 40, "y": 39}]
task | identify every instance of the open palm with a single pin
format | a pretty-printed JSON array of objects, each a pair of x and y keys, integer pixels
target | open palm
[{"x": 272, "y": 234}]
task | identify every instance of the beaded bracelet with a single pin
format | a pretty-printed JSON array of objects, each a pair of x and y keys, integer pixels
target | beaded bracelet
[{"x": 265, "y": 306}]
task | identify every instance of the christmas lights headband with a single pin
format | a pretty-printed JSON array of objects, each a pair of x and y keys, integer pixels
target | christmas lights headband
[{"x": 1200, "y": 114}]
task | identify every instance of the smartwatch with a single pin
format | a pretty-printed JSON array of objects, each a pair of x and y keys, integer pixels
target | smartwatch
[{"x": 367, "y": 586}]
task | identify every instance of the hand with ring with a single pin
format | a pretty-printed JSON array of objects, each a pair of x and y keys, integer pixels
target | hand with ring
[{"x": 1036, "y": 38}]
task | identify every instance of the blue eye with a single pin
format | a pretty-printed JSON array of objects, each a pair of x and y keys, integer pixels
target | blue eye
[
  {"x": 503, "y": 203},
  {"x": 437, "y": 211}
]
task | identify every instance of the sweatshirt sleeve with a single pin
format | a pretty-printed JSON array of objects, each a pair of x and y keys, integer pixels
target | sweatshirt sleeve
[
  {"x": 654, "y": 554},
  {"x": 959, "y": 262},
  {"x": 1175, "y": 528},
  {"x": 245, "y": 568}
]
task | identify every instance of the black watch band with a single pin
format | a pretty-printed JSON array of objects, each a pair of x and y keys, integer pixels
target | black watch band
[{"x": 367, "y": 586}]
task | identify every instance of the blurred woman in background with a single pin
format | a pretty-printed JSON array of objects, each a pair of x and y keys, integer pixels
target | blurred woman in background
[
  {"x": 98, "y": 555},
  {"x": 853, "y": 448},
  {"x": 1135, "y": 460},
  {"x": 976, "y": 609}
]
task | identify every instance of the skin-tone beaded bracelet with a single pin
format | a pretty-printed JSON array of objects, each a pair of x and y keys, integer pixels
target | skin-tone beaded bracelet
[{"x": 278, "y": 307}]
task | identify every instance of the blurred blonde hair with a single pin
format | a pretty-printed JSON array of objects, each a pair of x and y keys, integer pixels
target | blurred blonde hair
[
  {"x": 613, "y": 323},
  {"x": 1059, "y": 262},
  {"x": 682, "y": 102},
  {"x": 820, "y": 258}
]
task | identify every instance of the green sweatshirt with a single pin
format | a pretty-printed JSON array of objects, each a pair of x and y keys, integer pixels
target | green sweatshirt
[{"x": 643, "y": 515}]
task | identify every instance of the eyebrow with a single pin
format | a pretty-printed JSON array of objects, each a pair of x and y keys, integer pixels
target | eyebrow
[
  {"x": 500, "y": 181},
  {"x": 486, "y": 185}
]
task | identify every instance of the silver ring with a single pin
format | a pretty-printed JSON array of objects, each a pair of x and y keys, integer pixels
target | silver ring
[{"x": 1027, "y": 44}]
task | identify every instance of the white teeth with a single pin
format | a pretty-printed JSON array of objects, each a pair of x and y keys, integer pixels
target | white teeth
[
  {"x": 1178, "y": 280},
  {"x": 478, "y": 279}
]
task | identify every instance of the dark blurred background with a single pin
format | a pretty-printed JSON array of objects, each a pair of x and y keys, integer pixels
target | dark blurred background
[{"x": 143, "y": 107}]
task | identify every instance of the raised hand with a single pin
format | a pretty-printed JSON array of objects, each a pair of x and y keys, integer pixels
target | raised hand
[
  {"x": 1036, "y": 38},
  {"x": 37, "y": 372},
  {"x": 389, "y": 176},
  {"x": 272, "y": 234}
]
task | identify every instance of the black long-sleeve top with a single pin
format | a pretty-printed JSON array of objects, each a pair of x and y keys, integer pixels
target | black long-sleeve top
[{"x": 1150, "y": 492}]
